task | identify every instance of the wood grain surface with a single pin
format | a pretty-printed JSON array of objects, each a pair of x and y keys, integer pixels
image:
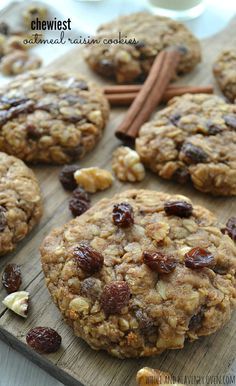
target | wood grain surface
[{"x": 75, "y": 363}]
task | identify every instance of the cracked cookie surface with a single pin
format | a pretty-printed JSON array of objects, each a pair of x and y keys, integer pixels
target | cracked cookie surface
[
  {"x": 193, "y": 138},
  {"x": 99, "y": 273},
  {"x": 51, "y": 118},
  {"x": 129, "y": 63},
  {"x": 224, "y": 70},
  {"x": 20, "y": 202}
]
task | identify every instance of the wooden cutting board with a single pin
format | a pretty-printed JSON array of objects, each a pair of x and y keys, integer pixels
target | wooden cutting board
[{"x": 75, "y": 363}]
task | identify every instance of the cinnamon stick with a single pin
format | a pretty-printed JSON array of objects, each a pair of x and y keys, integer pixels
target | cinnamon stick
[
  {"x": 134, "y": 88},
  {"x": 161, "y": 73},
  {"x": 118, "y": 98}
]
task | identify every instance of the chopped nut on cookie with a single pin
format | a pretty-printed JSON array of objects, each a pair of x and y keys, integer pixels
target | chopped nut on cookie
[
  {"x": 126, "y": 165},
  {"x": 93, "y": 179},
  {"x": 18, "y": 302}
]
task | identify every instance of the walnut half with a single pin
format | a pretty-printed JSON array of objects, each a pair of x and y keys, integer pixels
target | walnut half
[
  {"x": 154, "y": 377},
  {"x": 126, "y": 165},
  {"x": 18, "y": 302},
  {"x": 93, "y": 179}
]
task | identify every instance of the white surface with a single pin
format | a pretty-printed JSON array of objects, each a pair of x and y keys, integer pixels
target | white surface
[{"x": 15, "y": 370}]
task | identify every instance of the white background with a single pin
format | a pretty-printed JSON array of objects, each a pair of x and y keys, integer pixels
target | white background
[{"x": 15, "y": 370}]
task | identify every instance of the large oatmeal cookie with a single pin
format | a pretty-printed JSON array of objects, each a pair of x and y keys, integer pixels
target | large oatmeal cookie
[
  {"x": 20, "y": 202},
  {"x": 224, "y": 70},
  {"x": 141, "y": 273},
  {"x": 128, "y": 63},
  {"x": 52, "y": 117},
  {"x": 193, "y": 138}
]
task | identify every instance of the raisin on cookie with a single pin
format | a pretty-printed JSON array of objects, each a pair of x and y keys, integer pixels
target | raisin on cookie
[
  {"x": 120, "y": 273},
  {"x": 128, "y": 63},
  {"x": 51, "y": 117},
  {"x": 193, "y": 138},
  {"x": 224, "y": 70},
  {"x": 20, "y": 202}
]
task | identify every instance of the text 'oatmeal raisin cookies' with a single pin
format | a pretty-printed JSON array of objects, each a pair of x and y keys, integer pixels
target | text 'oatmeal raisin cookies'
[
  {"x": 51, "y": 117},
  {"x": 224, "y": 70},
  {"x": 193, "y": 139},
  {"x": 141, "y": 272},
  {"x": 131, "y": 62},
  {"x": 20, "y": 202}
]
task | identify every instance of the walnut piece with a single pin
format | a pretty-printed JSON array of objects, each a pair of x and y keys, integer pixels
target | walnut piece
[
  {"x": 154, "y": 377},
  {"x": 93, "y": 179},
  {"x": 18, "y": 62},
  {"x": 18, "y": 302},
  {"x": 126, "y": 165}
]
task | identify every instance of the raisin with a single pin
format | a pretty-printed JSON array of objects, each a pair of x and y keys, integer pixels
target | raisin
[
  {"x": 32, "y": 132},
  {"x": 181, "y": 175},
  {"x": 196, "y": 321},
  {"x": 115, "y": 296},
  {"x": 91, "y": 288},
  {"x": 4, "y": 28},
  {"x": 74, "y": 152},
  {"x": 183, "y": 49},
  {"x": 220, "y": 269},
  {"x": 159, "y": 262},
  {"x": 213, "y": 128},
  {"x": 82, "y": 85},
  {"x": 24, "y": 106},
  {"x": 123, "y": 215},
  {"x": 230, "y": 228},
  {"x": 140, "y": 44},
  {"x": 11, "y": 278},
  {"x": 13, "y": 102},
  {"x": 145, "y": 323},
  {"x": 230, "y": 121},
  {"x": 88, "y": 259},
  {"x": 3, "y": 220},
  {"x": 178, "y": 208},
  {"x": 80, "y": 202},
  {"x": 174, "y": 118},
  {"x": 193, "y": 154},
  {"x": 44, "y": 340},
  {"x": 199, "y": 258},
  {"x": 66, "y": 176},
  {"x": 107, "y": 67},
  {"x": 77, "y": 207},
  {"x": 11, "y": 108},
  {"x": 81, "y": 194}
]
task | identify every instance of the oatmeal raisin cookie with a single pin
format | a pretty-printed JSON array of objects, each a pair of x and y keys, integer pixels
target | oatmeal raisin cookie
[
  {"x": 193, "y": 138},
  {"x": 224, "y": 70},
  {"x": 141, "y": 272},
  {"x": 128, "y": 63},
  {"x": 51, "y": 117},
  {"x": 20, "y": 202}
]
